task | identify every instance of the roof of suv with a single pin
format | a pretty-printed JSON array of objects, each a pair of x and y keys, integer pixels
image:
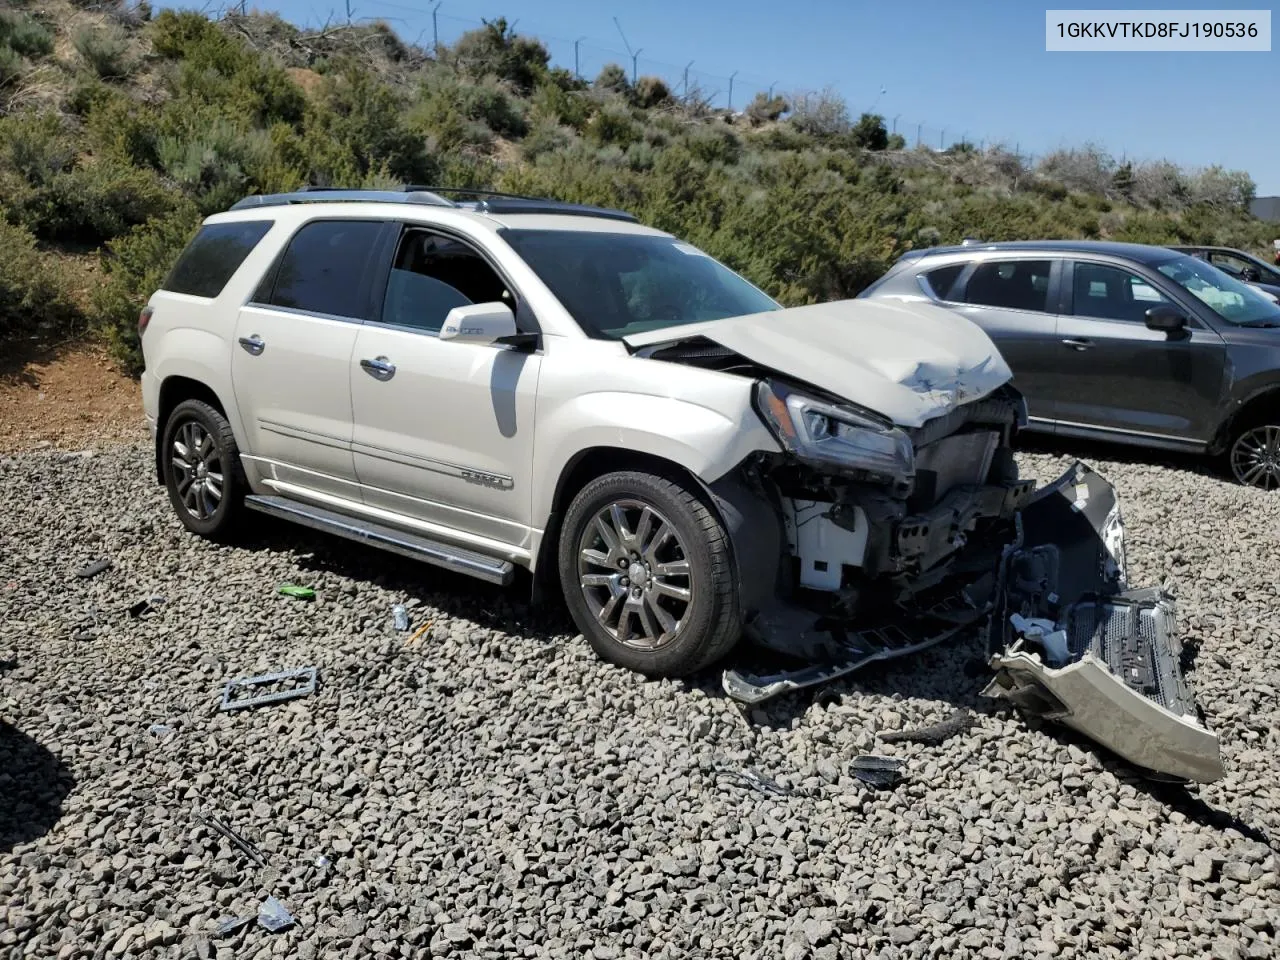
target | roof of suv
[
  {"x": 494, "y": 209},
  {"x": 1132, "y": 251}
]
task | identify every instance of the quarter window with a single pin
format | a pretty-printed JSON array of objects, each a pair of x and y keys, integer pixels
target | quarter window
[
  {"x": 433, "y": 274},
  {"x": 213, "y": 255},
  {"x": 1112, "y": 293},
  {"x": 1011, "y": 284},
  {"x": 322, "y": 271},
  {"x": 938, "y": 282}
]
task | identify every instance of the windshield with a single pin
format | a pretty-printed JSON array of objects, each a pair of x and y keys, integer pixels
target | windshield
[
  {"x": 1233, "y": 301},
  {"x": 618, "y": 284}
]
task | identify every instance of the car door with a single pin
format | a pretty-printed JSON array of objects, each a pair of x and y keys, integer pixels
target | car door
[
  {"x": 292, "y": 360},
  {"x": 444, "y": 429},
  {"x": 1014, "y": 300},
  {"x": 1121, "y": 376}
]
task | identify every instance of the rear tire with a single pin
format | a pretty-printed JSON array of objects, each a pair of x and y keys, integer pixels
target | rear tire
[
  {"x": 202, "y": 470},
  {"x": 1253, "y": 455},
  {"x": 647, "y": 573}
]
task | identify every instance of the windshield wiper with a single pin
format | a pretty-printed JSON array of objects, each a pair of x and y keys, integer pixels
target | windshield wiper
[{"x": 1254, "y": 324}]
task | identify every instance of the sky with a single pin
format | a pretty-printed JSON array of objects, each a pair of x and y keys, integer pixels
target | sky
[{"x": 938, "y": 71}]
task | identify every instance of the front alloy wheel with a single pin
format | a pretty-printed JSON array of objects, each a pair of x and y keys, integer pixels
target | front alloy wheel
[
  {"x": 635, "y": 576},
  {"x": 1255, "y": 457},
  {"x": 647, "y": 572}
]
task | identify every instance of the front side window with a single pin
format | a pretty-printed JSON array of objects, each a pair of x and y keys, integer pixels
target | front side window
[
  {"x": 1233, "y": 301},
  {"x": 431, "y": 275},
  {"x": 322, "y": 270},
  {"x": 618, "y": 284},
  {"x": 1011, "y": 284},
  {"x": 1237, "y": 266},
  {"x": 213, "y": 255},
  {"x": 1112, "y": 293},
  {"x": 1229, "y": 264}
]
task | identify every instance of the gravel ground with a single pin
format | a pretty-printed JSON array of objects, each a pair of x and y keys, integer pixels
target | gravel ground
[{"x": 495, "y": 791}]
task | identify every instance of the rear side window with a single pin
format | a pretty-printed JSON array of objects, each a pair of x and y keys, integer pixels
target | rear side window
[
  {"x": 1012, "y": 284},
  {"x": 938, "y": 282},
  {"x": 213, "y": 256},
  {"x": 322, "y": 270}
]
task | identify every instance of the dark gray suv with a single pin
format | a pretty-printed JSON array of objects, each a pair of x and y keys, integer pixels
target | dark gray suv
[{"x": 1122, "y": 342}]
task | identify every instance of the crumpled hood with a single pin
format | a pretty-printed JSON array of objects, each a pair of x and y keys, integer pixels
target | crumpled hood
[{"x": 910, "y": 362}]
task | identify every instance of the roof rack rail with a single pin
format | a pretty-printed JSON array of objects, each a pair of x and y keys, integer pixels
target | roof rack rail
[
  {"x": 343, "y": 194},
  {"x": 486, "y": 201},
  {"x": 493, "y": 201}
]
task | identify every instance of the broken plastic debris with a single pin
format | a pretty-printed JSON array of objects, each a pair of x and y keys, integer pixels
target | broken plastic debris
[
  {"x": 401, "y": 616},
  {"x": 93, "y": 569},
  {"x": 418, "y": 634},
  {"x": 879, "y": 772},
  {"x": 287, "y": 684},
  {"x": 160, "y": 730},
  {"x": 273, "y": 917},
  {"x": 231, "y": 925},
  {"x": 1053, "y": 640},
  {"x": 297, "y": 592},
  {"x": 245, "y": 847},
  {"x": 322, "y": 861},
  {"x": 144, "y": 606},
  {"x": 770, "y": 788},
  {"x": 960, "y": 721}
]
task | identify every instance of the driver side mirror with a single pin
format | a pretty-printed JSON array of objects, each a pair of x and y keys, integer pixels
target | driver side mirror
[
  {"x": 1166, "y": 318},
  {"x": 481, "y": 323}
]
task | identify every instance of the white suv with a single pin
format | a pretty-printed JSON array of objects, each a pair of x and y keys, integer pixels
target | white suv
[{"x": 500, "y": 383}]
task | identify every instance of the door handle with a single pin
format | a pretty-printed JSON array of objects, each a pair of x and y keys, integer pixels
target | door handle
[
  {"x": 253, "y": 344},
  {"x": 1077, "y": 343},
  {"x": 379, "y": 368}
]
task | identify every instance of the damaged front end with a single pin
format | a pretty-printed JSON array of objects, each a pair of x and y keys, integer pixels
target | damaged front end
[
  {"x": 1071, "y": 642},
  {"x": 894, "y": 539}
]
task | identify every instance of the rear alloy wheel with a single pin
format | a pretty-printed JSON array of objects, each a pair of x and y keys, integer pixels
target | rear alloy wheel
[
  {"x": 1255, "y": 456},
  {"x": 647, "y": 575},
  {"x": 202, "y": 470}
]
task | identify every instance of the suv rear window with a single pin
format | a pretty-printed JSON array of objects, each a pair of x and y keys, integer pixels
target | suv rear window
[{"x": 213, "y": 255}]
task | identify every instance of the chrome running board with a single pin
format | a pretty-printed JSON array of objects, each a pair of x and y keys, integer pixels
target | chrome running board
[{"x": 411, "y": 545}]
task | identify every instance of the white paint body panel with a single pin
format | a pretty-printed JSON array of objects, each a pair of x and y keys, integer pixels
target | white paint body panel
[{"x": 470, "y": 440}]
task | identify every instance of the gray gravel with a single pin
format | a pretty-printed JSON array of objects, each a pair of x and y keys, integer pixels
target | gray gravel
[{"x": 497, "y": 792}]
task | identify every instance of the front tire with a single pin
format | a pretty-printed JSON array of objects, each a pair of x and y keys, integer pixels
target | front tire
[
  {"x": 202, "y": 469},
  {"x": 647, "y": 574},
  {"x": 1254, "y": 454}
]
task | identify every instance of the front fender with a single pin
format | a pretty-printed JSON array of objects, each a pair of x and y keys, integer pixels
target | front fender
[{"x": 706, "y": 442}]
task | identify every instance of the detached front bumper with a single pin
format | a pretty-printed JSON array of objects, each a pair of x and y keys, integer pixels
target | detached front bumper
[
  {"x": 1067, "y": 638},
  {"x": 1071, "y": 642}
]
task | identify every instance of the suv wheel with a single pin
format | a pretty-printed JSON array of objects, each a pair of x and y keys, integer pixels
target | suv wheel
[
  {"x": 1254, "y": 455},
  {"x": 202, "y": 470},
  {"x": 647, "y": 575}
]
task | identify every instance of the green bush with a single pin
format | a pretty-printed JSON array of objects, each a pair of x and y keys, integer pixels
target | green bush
[
  {"x": 458, "y": 113},
  {"x": 136, "y": 265},
  {"x": 31, "y": 295},
  {"x": 105, "y": 50},
  {"x": 11, "y": 66},
  {"x": 614, "y": 124},
  {"x": 496, "y": 50},
  {"x": 613, "y": 79},
  {"x": 25, "y": 35}
]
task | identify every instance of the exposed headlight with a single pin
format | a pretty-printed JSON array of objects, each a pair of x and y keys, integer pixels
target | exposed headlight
[{"x": 838, "y": 436}]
